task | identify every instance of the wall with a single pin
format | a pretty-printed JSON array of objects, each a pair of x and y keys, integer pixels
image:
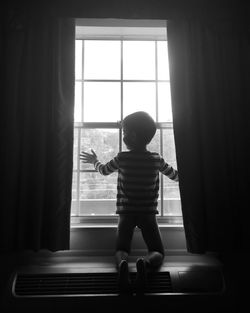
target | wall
[
  {"x": 101, "y": 240},
  {"x": 133, "y": 9}
]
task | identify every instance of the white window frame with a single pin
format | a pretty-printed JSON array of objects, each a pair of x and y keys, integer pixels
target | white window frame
[{"x": 109, "y": 29}]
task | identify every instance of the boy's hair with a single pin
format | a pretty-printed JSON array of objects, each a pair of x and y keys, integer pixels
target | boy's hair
[{"x": 142, "y": 124}]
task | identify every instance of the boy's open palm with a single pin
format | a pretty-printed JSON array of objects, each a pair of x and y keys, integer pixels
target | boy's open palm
[{"x": 88, "y": 157}]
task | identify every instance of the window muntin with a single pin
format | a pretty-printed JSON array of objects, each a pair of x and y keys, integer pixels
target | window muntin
[{"x": 102, "y": 99}]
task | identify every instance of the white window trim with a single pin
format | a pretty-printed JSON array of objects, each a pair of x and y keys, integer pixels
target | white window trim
[
  {"x": 121, "y": 29},
  {"x": 118, "y": 29}
]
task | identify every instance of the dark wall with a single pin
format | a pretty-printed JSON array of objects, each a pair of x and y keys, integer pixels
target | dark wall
[{"x": 141, "y": 9}]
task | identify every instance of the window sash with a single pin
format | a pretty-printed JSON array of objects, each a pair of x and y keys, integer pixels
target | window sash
[
  {"x": 82, "y": 126},
  {"x": 117, "y": 125},
  {"x": 156, "y": 81}
]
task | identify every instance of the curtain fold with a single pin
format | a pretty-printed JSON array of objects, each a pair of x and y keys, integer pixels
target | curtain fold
[
  {"x": 210, "y": 101},
  {"x": 37, "y": 113}
]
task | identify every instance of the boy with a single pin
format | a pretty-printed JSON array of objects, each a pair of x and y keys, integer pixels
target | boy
[{"x": 137, "y": 194}]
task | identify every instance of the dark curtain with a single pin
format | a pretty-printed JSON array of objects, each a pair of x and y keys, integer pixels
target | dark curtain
[
  {"x": 209, "y": 73},
  {"x": 37, "y": 61}
]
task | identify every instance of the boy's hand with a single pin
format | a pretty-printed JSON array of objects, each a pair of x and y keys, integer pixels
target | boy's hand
[{"x": 88, "y": 157}]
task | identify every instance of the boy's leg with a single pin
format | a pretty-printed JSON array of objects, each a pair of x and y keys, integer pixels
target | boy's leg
[
  {"x": 154, "y": 259},
  {"x": 120, "y": 256},
  {"x": 123, "y": 276},
  {"x": 125, "y": 231},
  {"x": 152, "y": 237},
  {"x": 124, "y": 234},
  {"x": 141, "y": 275}
]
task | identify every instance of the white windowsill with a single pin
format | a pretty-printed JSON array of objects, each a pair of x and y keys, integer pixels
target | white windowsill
[{"x": 112, "y": 225}]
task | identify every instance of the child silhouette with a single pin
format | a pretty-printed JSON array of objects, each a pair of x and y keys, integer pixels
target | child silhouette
[{"x": 137, "y": 195}]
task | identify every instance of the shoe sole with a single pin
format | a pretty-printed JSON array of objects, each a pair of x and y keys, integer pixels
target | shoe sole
[
  {"x": 123, "y": 277},
  {"x": 141, "y": 277}
]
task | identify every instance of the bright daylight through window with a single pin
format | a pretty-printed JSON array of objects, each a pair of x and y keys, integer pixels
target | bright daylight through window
[{"x": 120, "y": 67}]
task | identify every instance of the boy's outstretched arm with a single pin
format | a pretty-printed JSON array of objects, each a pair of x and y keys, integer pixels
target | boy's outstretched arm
[
  {"x": 169, "y": 171},
  {"x": 104, "y": 169}
]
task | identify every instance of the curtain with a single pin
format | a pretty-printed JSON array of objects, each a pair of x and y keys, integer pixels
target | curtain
[
  {"x": 37, "y": 58},
  {"x": 209, "y": 73}
]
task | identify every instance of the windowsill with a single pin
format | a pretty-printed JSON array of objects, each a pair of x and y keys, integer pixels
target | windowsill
[
  {"x": 113, "y": 225},
  {"x": 111, "y": 221}
]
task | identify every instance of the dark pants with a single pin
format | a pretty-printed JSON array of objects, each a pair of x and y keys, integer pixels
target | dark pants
[{"x": 149, "y": 228}]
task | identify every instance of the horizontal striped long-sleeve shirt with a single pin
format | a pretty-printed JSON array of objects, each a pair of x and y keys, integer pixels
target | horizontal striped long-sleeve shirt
[{"x": 138, "y": 179}]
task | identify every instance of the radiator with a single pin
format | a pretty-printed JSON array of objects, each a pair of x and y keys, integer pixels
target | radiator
[{"x": 60, "y": 289}]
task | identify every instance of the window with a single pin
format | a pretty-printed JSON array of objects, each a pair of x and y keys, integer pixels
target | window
[{"x": 121, "y": 67}]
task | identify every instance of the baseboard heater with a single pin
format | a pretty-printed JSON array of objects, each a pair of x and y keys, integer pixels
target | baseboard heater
[
  {"x": 52, "y": 284},
  {"x": 63, "y": 288},
  {"x": 42, "y": 283}
]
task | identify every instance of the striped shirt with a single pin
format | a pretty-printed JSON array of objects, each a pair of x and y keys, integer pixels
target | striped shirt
[{"x": 138, "y": 179}]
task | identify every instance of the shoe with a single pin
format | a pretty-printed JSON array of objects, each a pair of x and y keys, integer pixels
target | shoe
[
  {"x": 123, "y": 277},
  {"x": 141, "y": 276}
]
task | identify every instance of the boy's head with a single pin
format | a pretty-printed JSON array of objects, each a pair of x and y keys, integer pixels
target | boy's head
[{"x": 139, "y": 128}]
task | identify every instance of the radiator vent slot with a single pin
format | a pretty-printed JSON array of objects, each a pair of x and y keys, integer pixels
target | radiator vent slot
[{"x": 32, "y": 285}]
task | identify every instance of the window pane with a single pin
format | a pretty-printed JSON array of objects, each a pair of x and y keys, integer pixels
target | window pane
[
  {"x": 171, "y": 198},
  {"x": 78, "y": 102},
  {"x": 163, "y": 66},
  {"x": 171, "y": 193},
  {"x": 102, "y": 59},
  {"x": 75, "y": 155},
  {"x": 105, "y": 143},
  {"x": 139, "y": 60},
  {"x": 164, "y": 103},
  {"x": 169, "y": 146},
  {"x": 98, "y": 194},
  {"x": 102, "y": 102},
  {"x": 74, "y": 194},
  {"x": 154, "y": 145},
  {"x": 78, "y": 59},
  {"x": 74, "y": 186},
  {"x": 139, "y": 97}
]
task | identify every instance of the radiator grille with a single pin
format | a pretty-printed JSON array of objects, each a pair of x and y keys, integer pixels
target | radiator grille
[{"x": 82, "y": 284}]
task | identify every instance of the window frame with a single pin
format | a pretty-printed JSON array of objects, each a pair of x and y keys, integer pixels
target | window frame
[{"x": 105, "y": 219}]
